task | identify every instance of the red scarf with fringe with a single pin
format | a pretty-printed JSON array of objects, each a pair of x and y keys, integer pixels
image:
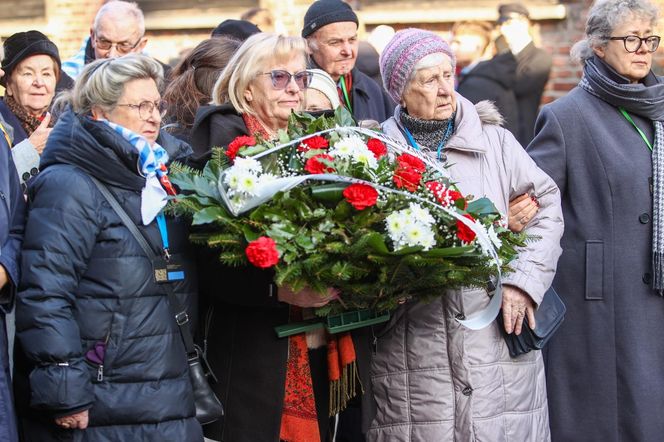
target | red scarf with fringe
[{"x": 299, "y": 420}]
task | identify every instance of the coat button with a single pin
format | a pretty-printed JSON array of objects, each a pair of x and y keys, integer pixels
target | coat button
[
  {"x": 467, "y": 391},
  {"x": 644, "y": 218},
  {"x": 647, "y": 278},
  {"x": 460, "y": 316},
  {"x": 443, "y": 158}
]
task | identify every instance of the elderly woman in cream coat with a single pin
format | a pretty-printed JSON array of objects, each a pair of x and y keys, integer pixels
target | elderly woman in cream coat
[{"x": 432, "y": 378}]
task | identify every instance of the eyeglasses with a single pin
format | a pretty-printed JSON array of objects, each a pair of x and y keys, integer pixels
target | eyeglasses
[
  {"x": 281, "y": 79},
  {"x": 633, "y": 43},
  {"x": 122, "y": 48},
  {"x": 146, "y": 108}
]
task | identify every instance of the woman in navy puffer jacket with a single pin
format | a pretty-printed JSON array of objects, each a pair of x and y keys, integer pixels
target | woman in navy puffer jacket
[{"x": 103, "y": 358}]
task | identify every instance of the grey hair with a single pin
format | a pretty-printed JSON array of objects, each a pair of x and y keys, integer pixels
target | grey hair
[
  {"x": 102, "y": 82},
  {"x": 122, "y": 8},
  {"x": 604, "y": 17},
  {"x": 430, "y": 61}
]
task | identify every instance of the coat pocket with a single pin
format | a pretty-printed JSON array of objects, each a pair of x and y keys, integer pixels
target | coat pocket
[{"x": 594, "y": 270}]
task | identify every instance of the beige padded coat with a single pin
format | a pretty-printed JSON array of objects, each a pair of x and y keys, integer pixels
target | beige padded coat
[{"x": 434, "y": 380}]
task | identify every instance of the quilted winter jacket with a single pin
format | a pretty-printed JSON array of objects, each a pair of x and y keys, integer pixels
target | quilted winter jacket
[
  {"x": 86, "y": 280},
  {"x": 433, "y": 379}
]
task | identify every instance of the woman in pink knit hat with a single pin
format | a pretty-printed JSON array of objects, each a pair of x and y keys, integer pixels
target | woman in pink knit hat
[{"x": 433, "y": 379}]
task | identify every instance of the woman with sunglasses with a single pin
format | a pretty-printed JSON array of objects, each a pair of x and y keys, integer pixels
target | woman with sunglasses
[
  {"x": 101, "y": 357},
  {"x": 603, "y": 144},
  {"x": 256, "y": 93}
]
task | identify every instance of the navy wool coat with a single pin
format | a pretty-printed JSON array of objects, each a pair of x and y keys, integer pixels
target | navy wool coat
[
  {"x": 86, "y": 280},
  {"x": 604, "y": 363}
]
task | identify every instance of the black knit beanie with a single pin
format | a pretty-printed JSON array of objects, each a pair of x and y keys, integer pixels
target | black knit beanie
[
  {"x": 324, "y": 12},
  {"x": 22, "y": 45}
]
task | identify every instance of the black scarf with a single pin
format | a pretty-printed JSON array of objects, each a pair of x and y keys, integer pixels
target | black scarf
[{"x": 647, "y": 100}]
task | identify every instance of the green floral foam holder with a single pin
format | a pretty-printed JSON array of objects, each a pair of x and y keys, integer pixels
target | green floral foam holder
[{"x": 338, "y": 323}]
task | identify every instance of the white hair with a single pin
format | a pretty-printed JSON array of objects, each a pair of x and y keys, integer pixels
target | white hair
[
  {"x": 103, "y": 81},
  {"x": 429, "y": 61},
  {"x": 119, "y": 8}
]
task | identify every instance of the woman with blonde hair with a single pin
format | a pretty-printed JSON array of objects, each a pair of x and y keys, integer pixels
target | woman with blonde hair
[{"x": 272, "y": 388}]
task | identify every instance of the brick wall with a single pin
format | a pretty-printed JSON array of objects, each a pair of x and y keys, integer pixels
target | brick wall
[{"x": 67, "y": 22}]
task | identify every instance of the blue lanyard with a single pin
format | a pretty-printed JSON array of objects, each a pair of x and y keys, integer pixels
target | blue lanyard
[
  {"x": 163, "y": 231},
  {"x": 439, "y": 151}
]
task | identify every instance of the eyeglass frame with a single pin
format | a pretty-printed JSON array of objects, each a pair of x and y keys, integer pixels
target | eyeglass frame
[
  {"x": 117, "y": 45},
  {"x": 161, "y": 106},
  {"x": 309, "y": 76},
  {"x": 642, "y": 40}
]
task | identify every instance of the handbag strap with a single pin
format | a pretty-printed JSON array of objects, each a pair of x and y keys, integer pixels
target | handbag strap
[{"x": 181, "y": 315}]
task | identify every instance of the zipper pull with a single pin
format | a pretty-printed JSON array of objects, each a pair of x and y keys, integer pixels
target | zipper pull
[{"x": 100, "y": 373}]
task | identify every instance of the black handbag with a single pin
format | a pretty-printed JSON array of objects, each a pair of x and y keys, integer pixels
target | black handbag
[
  {"x": 208, "y": 405},
  {"x": 548, "y": 317}
]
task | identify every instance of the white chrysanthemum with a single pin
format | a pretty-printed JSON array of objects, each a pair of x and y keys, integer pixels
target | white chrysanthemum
[
  {"x": 232, "y": 178},
  {"x": 419, "y": 235},
  {"x": 247, "y": 183},
  {"x": 421, "y": 215},
  {"x": 365, "y": 156},
  {"x": 397, "y": 223},
  {"x": 237, "y": 202},
  {"x": 247, "y": 164},
  {"x": 347, "y": 147}
]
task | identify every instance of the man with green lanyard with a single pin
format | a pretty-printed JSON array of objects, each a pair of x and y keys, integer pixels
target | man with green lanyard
[{"x": 330, "y": 27}]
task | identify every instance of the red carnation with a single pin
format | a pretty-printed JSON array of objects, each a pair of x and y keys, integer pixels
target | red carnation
[
  {"x": 463, "y": 231},
  {"x": 237, "y": 144},
  {"x": 315, "y": 142},
  {"x": 360, "y": 196},
  {"x": 455, "y": 195},
  {"x": 407, "y": 160},
  {"x": 314, "y": 165},
  {"x": 377, "y": 147},
  {"x": 262, "y": 252},
  {"x": 407, "y": 177}
]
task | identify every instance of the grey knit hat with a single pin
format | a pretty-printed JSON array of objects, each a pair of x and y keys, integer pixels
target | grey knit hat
[
  {"x": 324, "y": 12},
  {"x": 403, "y": 52}
]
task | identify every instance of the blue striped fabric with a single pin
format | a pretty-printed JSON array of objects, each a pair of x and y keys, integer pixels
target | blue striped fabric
[{"x": 150, "y": 160}]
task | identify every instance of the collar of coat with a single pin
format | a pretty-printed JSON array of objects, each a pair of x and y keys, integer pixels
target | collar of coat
[{"x": 469, "y": 122}]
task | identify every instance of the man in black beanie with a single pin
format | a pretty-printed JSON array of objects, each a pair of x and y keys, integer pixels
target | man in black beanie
[{"x": 330, "y": 27}]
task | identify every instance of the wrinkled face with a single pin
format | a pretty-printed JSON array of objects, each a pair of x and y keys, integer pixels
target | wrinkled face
[
  {"x": 136, "y": 92},
  {"x": 273, "y": 105},
  {"x": 634, "y": 66},
  {"x": 122, "y": 33},
  {"x": 315, "y": 100},
  {"x": 32, "y": 83},
  {"x": 335, "y": 48},
  {"x": 430, "y": 95}
]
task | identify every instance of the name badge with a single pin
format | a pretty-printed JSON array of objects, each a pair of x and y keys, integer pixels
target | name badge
[{"x": 168, "y": 271}]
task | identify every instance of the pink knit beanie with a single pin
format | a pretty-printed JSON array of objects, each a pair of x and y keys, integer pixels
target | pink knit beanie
[{"x": 403, "y": 52}]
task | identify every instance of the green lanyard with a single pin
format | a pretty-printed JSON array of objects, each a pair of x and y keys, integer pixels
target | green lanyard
[
  {"x": 342, "y": 82},
  {"x": 626, "y": 115}
]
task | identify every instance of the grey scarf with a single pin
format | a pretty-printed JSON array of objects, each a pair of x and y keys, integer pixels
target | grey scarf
[{"x": 647, "y": 100}]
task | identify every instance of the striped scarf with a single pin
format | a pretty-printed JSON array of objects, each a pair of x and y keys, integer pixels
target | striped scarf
[
  {"x": 152, "y": 165},
  {"x": 646, "y": 100}
]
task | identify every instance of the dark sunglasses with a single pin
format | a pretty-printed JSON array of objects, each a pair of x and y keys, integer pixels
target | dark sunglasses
[{"x": 281, "y": 79}]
